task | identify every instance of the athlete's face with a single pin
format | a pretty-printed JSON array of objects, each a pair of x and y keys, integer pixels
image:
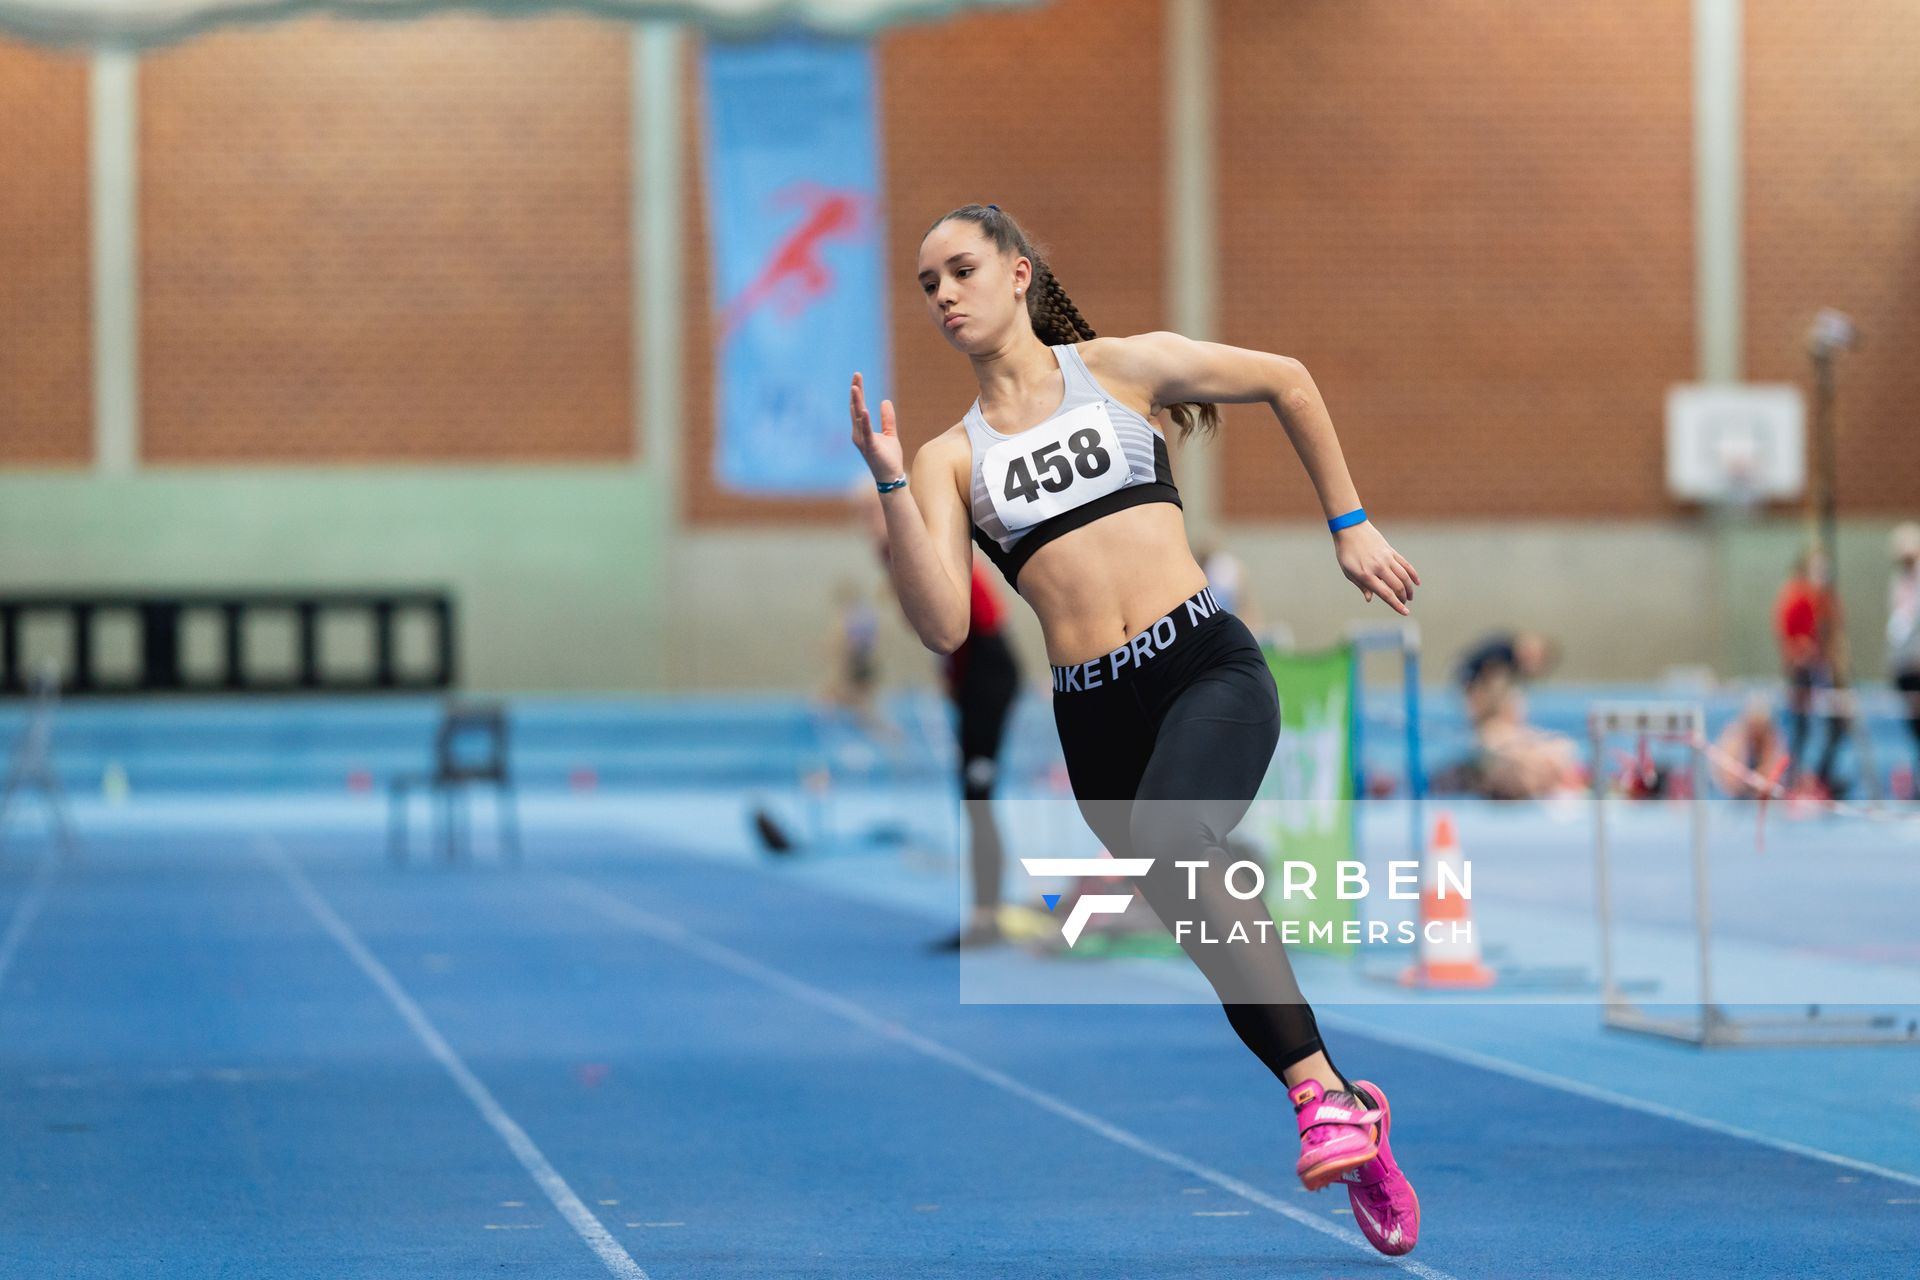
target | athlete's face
[{"x": 970, "y": 285}]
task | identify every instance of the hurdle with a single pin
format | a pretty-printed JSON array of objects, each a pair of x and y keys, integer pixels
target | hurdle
[
  {"x": 1709, "y": 1025},
  {"x": 1403, "y": 639},
  {"x": 32, "y": 762}
]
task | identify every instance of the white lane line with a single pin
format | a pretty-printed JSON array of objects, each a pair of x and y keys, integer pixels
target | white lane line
[
  {"x": 25, "y": 912},
  {"x": 1487, "y": 1062},
  {"x": 673, "y": 934},
  {"x": 1567, "y": 1084},
  {"x": 578, "y": 1216}
]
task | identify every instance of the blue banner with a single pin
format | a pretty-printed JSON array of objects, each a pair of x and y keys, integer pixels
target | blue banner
[{"x": 794, "y": 223}]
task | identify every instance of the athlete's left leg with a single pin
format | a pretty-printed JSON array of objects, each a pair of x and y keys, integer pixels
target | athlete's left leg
[
  {"x": 1213, "y": 747},
  {"x": 1214, "y": 742}
]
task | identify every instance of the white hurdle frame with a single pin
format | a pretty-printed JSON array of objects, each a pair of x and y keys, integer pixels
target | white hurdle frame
[
  {"x": 32, "y": 763},
  {"x": 1710, "y": 1026},
  {"x": 1670, "y": 722}
]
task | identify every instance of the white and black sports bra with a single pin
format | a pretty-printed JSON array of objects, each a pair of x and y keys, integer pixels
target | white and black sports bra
[{"x": 1092, "y": 457}]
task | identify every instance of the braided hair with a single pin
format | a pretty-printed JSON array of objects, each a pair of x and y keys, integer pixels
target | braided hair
[{"x": 1056, "y": 321}]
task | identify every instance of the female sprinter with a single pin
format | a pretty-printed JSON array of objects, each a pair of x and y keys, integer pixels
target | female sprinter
[{"x": 1167, "y": 714}]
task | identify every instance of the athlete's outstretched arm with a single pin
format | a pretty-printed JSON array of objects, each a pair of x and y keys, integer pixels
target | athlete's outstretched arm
[
  {"x": 928, "y": 555},
  {"x": 1177, "y": 370}
]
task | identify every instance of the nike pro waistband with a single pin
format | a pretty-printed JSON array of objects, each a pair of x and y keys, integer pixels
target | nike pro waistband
[{"x": 1188, "y": 616}]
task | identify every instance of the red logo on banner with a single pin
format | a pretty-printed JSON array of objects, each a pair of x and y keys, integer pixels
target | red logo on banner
[{"x": 795, "y": 276}]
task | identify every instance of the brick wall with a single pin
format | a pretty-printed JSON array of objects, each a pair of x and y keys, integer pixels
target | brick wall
[
  {"x": 1471, "y": 219},
  {"x": 46, "y": 379},
  {"x": 1055, "y": 114},
  {"x": 386, "y": 241},
  {"x": 1833, "y": 219}
]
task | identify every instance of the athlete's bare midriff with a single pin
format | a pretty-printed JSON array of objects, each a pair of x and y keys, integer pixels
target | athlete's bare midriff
[{"x": 1097, "y": 587}]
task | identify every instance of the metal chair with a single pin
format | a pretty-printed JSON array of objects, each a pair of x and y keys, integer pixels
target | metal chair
[{"x": 470, "y": 749}]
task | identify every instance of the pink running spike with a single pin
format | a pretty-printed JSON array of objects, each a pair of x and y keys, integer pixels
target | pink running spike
[
  {"x": 1336, "y": 1133},
  {"x": 1383, "y": 1200}
]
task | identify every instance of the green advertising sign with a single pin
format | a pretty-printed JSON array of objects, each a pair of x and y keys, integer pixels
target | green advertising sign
[{"x": 1305, "y": 808}]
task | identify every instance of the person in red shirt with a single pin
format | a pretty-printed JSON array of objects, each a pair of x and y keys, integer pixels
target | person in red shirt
[
  {"x": 982, "y": 680},
  {"x": 1804, "y": 618}
]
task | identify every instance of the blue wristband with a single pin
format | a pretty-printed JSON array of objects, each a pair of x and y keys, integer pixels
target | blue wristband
[
  {"x": 891, "y": 485},
  {"x": 1356, "y": 516}
]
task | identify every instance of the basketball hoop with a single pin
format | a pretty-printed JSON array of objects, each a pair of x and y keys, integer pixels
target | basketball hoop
[
  {"x": 1739, "y": 461},
  {"x": 1735, "y": 446}
]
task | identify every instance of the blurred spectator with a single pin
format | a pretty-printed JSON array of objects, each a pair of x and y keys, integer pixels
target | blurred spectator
[
  {"x": 1752, "y": 754},
  {"x": 853, "y": 671},
  {"x": 1520, "y": 762},
  {"x": 1903, "y": 628},
  {"x": 1227, "y": 576},
  {"x": 1514, "y": 760},
  {"x": 1804, "y": 618},
  {"x": 1492, "y": 671}
]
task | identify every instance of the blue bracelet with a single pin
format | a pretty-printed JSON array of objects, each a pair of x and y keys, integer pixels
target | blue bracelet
[
  {"x": 1356, "y": 516},
  {"x": 891, "y": 485}
]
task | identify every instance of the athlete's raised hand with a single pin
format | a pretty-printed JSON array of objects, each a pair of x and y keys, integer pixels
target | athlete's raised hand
[
  {"x": 881, "y": 448},
  {"x": 1374, "y": 567}
]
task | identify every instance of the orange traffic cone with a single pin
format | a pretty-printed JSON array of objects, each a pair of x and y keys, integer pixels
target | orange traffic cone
[{"x": 1449, "y": 946}]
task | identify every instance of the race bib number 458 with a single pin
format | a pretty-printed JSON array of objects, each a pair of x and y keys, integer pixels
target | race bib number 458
[{"x": 1054, "y": 467}]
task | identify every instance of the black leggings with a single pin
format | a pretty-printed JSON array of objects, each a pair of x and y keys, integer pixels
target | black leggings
[
  {"x": 983, "y": 696},
  {"x": 1166, "y": 742}
]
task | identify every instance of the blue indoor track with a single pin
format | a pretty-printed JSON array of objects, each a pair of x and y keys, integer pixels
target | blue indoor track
[{"x": 235, "y": 1041}]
